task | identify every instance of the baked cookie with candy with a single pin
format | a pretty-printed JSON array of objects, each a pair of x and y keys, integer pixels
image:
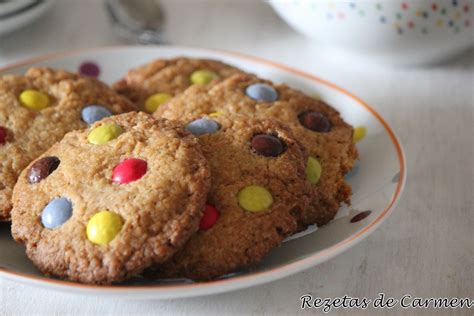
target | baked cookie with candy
[
  {"x": 318, "y": 126},
  {"x": 37, "y": 109},
  {"x": 258, "y": 192},
  {"x": 153, "y": 84},
  {"x": 106, "y": 202}
]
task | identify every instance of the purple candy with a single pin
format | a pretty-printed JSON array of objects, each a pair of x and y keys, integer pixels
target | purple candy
[{"x": 90, "y": 69}]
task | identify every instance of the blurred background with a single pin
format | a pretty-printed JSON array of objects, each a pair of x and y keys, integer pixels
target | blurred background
[
  {"x": 412, "y": 60},
  {"x": 395, "y": 33},
  {"x": 405, "y": 49}
]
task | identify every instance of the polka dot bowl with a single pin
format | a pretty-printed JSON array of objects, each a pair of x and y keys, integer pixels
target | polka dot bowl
[
  {"x": 377, "y": 180},
  {"x": 407, "y": 32}
]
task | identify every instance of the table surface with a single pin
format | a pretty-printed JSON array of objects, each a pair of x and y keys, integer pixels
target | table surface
[{"x": 426, "y": 248}]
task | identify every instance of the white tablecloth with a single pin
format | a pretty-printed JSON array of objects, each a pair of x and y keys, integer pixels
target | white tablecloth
[{"x": 426, "y": 248}]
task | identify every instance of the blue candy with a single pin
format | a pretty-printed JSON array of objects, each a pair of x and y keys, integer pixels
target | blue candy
[
  {"x": 396, "y": 178},
  {"x": 94, "y": 113},
  {"x": 262, "y": 92},
  {"x": 56, "y": 213},
  {"x": 353, "y": 172},
  {"x": 202, "y": 126}
]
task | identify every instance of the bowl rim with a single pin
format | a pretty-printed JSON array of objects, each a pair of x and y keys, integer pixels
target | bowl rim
[
  {"x": 26, "y": 7},
  {"x": 240, "y": 281}
]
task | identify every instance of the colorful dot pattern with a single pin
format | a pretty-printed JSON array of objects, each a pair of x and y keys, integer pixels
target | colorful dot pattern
[{"x": 452, "y": 15}]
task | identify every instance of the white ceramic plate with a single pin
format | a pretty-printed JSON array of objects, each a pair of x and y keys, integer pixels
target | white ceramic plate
[{"x": 377, "y": 180}]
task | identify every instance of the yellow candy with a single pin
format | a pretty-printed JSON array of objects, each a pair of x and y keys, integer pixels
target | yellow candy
[
  {"x": 359, "y": 133},
  {"x": 316, "y": 96},
  {"x": 104, "y": 133},
  {"x": 215, "y": 114},
  {"x": 255, "y": 198},
  {"x": 103, "y": 227},
  {"x": 203, "y": 76},
  {"x": 313, "y": 170},
  {"x": 155, "y": 100},
  {"x": 34, "y": 100}
]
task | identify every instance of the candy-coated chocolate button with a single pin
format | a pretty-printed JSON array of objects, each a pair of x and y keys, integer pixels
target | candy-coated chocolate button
[
  {"x": 155, "y": 100},
  {"x": 359, "y": 133},
  {"x": 316, "y": 96},
  {"x": 315, "y": 121},
  {"x": 396, "y": 178},
  {"x": 202, "y": 126},
  {"x": 215, "y": 114},
  {"x": 267, "y": 145},
  {"x": 94, "y": 113},
  {"x": 354, "y": 171},
  {"x": 42, "y": 168},
  {"x": 34, "y": 100},
  {"x": 360, "y": 216},
  {"x": 3, "y": 135},
  {"x": 262, "y": 92},
  {"x": 209, "y": 217},
  {"x": 203, "y": 76},
  {"x": 56, "y": 213},
  {"x": 104, "y": 133},
  {"x": 313, "y": 170},
  {"x": 90, "y": 69},
  {"x": 129, "y": 170},
  {"x": 103, "y": 227},
  {"x": 255, "y": 198}
]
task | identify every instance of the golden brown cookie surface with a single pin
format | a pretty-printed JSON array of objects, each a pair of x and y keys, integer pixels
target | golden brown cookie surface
[
  {"x": 107, "y": 202},
  {"x": 257, "y": 194},
  {"x": 152, "y": 84},
  {"x": 320, "y": 128},
  {"x": 37, "y": 109}
]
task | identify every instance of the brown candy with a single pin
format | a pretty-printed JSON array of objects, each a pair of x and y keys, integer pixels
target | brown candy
[
  {"x": 42, "y": 169},
  {"x": 315, "y": 121},
  {"x": 3, "y": 135},
  {"x": 360, "y": 216},
  {"x": 267, "y": 145}
]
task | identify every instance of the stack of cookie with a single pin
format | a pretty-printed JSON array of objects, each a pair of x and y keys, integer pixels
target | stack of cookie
[{"x": 213, "y": 169}]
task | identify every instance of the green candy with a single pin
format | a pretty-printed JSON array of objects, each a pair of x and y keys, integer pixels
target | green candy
[
  {"x": 255, "y": 198},
  {"x": 203, "y": 77},
  {"x": 313, "y": 170}
]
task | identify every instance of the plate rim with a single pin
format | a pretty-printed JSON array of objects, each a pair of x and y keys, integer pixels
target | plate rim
[{"x": 241, "y": 281}]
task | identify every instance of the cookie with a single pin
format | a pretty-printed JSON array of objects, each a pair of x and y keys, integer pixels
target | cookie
[
  {"x": 318, "y": 126},
  {"x": 37, "y": 109},
  {"x": 153, "y": 84},
  {"x": 258, "y": 192},
  {"x": 106, "y": 202}
]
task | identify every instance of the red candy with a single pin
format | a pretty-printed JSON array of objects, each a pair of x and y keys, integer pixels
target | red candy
[
  {"x": 129, "y": 170},
  {"x": 3, "y": 135},
  {"x": 209, "y": 218}
]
